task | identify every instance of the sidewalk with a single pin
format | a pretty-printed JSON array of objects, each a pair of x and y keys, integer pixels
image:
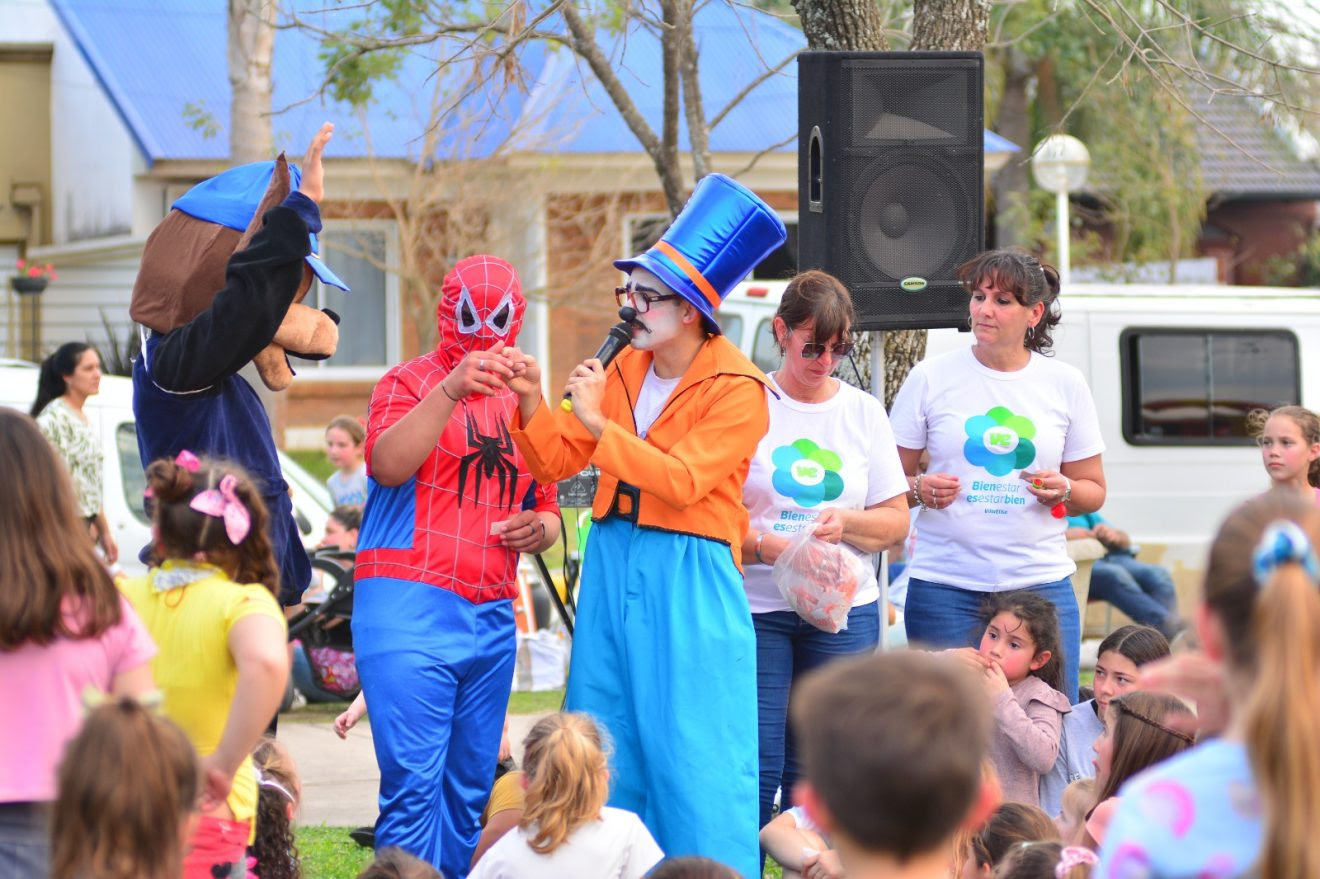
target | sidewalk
[{"x": 339, "y": 778}]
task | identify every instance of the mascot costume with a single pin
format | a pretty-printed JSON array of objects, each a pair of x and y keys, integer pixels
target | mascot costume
[
  {"x": 433, "y": 626},
  {"x": 221, "y": 280},
  {"x": 664, "y": 652}
]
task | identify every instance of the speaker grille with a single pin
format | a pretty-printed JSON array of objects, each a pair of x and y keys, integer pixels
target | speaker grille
[{"x": 900, "y": 179}]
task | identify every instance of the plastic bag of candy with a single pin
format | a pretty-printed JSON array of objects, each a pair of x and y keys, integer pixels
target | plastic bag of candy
[{"x": 818, "y": 580}]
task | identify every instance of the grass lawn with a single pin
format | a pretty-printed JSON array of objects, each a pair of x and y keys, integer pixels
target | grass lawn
[{"x": 313, "y": 461}]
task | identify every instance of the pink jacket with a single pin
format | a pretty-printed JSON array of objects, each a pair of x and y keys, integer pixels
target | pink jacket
[{"x": 1025, "y": 744}]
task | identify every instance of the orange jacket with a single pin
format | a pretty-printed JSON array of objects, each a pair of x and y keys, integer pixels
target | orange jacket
[{"x": 691, "y": 466}]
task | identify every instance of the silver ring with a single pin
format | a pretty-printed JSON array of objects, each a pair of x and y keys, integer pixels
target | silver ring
[{"x": 481, "y": 365}]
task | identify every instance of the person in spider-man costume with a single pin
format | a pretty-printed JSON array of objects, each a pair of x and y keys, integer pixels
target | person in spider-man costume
[{"x": 450, "y": 505}]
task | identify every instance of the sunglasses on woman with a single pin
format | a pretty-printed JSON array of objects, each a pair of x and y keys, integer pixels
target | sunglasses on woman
[{"x": 813, "y": 350}]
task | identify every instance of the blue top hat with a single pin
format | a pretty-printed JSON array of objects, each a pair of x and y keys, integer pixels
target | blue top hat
[
  {"x": 722, "y": 232},
  {"x": 231, "y": 199}
]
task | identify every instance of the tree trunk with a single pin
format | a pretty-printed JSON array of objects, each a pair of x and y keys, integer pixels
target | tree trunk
[
  {"x": 251, "y": 45},
  {"x": 843, "y": 25},
  {"x": 1012, "y": 182},
  {"x": 950, "y": 25}
]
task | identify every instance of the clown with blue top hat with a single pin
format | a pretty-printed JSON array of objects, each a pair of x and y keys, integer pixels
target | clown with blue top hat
[
  {"x": 220, "y": 285},
  {"x": 664, "y": 652}
]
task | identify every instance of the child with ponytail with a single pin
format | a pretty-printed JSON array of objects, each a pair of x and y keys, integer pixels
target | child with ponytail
[
  {"x": 223, "y": 663},
  {"x": 1249, "y": 801},
  {"x": 566, "y": 830},
  {"x": 1289, "y": 440},
  {"x": 274, "y": 853}
]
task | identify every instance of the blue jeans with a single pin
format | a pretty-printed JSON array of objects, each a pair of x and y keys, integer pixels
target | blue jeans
[
  {"x": 787, "y": 647},
  {"x": 1143, "y": 592},
  {"x": 942, "y": 616}
]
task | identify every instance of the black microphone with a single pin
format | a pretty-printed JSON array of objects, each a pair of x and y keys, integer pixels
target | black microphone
[{"x": 615, "y": 341}]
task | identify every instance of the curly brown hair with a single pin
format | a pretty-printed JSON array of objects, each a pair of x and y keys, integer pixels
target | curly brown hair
[
  {"x": 1307, "y": 422},
  {"x": 278, "y": 787},
  {"x": 1015, "y": 271},
  {"x": 182, "y": 532}
]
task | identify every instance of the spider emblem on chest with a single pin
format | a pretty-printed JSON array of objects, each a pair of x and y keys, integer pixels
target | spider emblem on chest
[{"x": 491, "y": 458}]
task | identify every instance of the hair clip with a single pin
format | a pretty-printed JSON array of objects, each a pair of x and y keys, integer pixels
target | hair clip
[
  {"x": 1074, "y": 856},
  {"x": 1282, "y": 542},
  {"x": 93, "y": 698},
  {"x": 224, "y": 504},
  {"x": 188, "y": 461},
  {"x": 266, "y": 781}
]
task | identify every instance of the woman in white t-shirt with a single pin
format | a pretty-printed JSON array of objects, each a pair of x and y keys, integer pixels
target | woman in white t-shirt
[
  {"x": 566, "y": 830},
  {"x": 1014, "y": 447},
  {"x": 828, "y": 462}
]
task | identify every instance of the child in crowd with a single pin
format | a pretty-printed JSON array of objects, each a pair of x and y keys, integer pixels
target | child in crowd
[
  {"x": 1141, "y": 729},
  {"x": 342, "y": 527},
  {"x": 691, "y": 867},
  {"x": 63, "y": 628},
  {"x": 1011, "y": 824},
  {"x": 275, "y": 851},
  {"x": 1021, "y": 669},
  {"x": 343, "y": 446},
  {"x": 1289, "y": 439},
  {"x": 797, "y": 844},
  {"x": 128, "y": 791},
  {"x": 1046, "y": 860},
  {"x": 1247, "y": 802},
  {"x": 892, "y": 745},
  {"x": 1078, "y": 798},
  {"x": 395, "y": 863},
  {"x": 567, "y": 830},
  {"x": 223, "y": 663},
  {"x": 1121, "y": 655}
]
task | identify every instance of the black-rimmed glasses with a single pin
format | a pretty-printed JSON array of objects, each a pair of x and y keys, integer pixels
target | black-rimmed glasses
[{"x": 640, "y": 299}]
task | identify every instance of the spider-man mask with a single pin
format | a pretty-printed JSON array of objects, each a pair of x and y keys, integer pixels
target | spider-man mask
[{"x": 481, "y": 307}]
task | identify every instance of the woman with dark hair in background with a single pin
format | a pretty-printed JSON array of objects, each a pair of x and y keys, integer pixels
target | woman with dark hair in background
[
  {"x": 1014, "y": 446},
  {"x": 68, "y": 377}
]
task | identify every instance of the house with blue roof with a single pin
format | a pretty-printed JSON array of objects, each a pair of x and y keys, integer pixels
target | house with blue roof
[{"x": 127, "y": 105}]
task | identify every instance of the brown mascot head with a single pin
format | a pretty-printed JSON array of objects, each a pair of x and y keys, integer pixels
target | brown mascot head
[{"x": 183, "y": 264}]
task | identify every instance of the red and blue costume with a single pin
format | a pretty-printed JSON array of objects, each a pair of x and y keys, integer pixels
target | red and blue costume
[{"x": 433, "y": 625}]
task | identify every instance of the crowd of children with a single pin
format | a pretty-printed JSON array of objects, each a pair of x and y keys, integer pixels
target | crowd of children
[{"x": 144, "y": 703}]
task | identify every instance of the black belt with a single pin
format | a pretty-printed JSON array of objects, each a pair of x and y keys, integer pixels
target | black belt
[{"x": 627, "y": 500}]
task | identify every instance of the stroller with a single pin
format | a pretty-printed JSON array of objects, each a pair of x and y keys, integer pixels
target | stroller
[{"x": 324, "y": 627}]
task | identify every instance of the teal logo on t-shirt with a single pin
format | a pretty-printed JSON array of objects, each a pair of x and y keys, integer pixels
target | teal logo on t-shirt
[
  {"x": 1000, "y": 441},
  {"x": 806, "y": 473}
]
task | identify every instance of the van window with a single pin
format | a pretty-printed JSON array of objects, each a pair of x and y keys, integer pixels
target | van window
[
  {"x": 731, "y": 326},
  {"x": 130, "y": 471},
  {"x": 1195, "y": 387},
  {"x": 765, "y": 351}
]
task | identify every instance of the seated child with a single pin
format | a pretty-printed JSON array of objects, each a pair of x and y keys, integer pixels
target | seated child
[
  {"x": 1021, "y": 670},
  {"x": 1012, "y": 823},
  {"x": 1078, "y": 798},
  {"x": 892, "y": 746},
  {"x": 127, "y": 800},
  {"x": 274, "y": 853},
  {"x": 1046, "y": 860},
  {"x": 567, "y": 831},
  {"x": 691, "y": 867},
  {"x": 395, "y": 863},
  {"x": 796, "y": 844}
]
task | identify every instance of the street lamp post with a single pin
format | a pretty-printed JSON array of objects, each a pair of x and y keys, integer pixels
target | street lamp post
[{"x": 1060, "y": 163}]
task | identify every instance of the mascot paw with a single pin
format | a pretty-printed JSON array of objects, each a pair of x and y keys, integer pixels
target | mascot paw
[{"x": 305, "y": 332}]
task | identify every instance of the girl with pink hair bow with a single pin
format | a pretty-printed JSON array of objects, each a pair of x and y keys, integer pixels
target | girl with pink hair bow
[{"x": 209, "y": 603}]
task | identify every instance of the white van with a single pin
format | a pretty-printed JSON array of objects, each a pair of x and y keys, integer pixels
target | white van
[
  {"x": 123, "y": 482},
  {"x": 1174, "y": 371}
]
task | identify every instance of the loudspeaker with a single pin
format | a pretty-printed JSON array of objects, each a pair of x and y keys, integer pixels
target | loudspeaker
[{"x": 890, "y": 180}]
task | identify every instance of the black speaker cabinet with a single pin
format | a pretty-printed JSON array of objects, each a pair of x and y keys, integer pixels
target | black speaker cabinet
[{"x": 891, "y": 199}]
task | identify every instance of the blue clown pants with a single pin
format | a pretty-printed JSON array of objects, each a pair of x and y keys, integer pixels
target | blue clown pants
[
  {"x": 665, "y": 657},
  {"x": 437, "y": 671}
]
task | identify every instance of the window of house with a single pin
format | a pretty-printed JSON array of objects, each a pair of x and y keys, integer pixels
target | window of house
[
  {"x": 369, "y": 325},
  {"x": 644, "y": 230},
  {"x": 1195, "y": 387}
]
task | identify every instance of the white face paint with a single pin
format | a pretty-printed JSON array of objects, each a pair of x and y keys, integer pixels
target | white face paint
[{"x": 664, "y": 321}]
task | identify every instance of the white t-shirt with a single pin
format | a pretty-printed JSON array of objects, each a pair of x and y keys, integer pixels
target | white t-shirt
[
  {"x": 618, "y": 846},
  {"x": 651, "y": 399},
  {"x": 986, "y": 427},
  {"x": 839, "y": 453}
]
